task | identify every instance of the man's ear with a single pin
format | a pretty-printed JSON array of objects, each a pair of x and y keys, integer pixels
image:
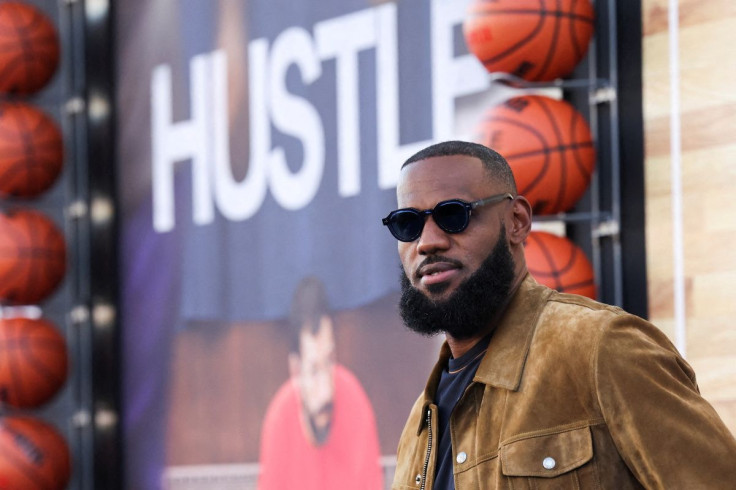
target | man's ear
[
  {"x": 521, "y": 220},
  {"x": 294, "y": 364}
]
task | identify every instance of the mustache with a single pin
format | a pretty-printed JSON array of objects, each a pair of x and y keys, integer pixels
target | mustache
[
  {"x": 325, "y": 409},
  {"x": 433, "y": 259}
]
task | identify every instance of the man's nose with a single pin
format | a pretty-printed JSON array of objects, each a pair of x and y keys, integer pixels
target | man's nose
[{"x": 432, "y": 239}]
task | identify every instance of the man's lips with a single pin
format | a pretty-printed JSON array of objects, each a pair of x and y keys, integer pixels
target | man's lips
[{"x": 437, "y": 272}]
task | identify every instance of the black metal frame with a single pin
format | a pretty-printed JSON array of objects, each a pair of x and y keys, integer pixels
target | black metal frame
[
  {"x": 631, "y": 131},
  {"x": 103, "y": 232},
  {"x": 95, "y": 308},
  {"x": 613, "y": 103}
]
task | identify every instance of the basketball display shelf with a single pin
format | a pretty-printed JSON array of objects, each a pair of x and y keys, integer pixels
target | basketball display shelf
[
  {"x": 46, "y": 395},
  {"x": 594, "y": 222}
]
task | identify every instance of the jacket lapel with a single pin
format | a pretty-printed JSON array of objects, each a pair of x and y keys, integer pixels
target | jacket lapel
[{"x": 503, "y": 364}]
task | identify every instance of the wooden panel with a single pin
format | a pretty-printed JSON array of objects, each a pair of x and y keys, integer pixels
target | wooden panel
[
  {"x": 692, "y": 12},
  {"x": 707, "y": 36},
  {"x": 715, "y": 375},
  {"x": 701, "y": 128},
  {"x": 656, "y": 89},
  {"x": 707, "y": 75},
  {"x": 711, "y": 335},
  {"x": 713, "y": 293}
]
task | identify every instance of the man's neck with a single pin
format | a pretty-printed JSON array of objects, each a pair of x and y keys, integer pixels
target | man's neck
[{"x": 458, "y": 347}]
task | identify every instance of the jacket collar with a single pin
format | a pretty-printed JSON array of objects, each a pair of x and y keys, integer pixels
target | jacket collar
[{"x": 503, "y": 363}]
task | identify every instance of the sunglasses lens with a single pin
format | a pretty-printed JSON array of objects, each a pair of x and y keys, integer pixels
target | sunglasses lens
[
  {"x": 451, "y": 217},
  {"x": 406, "y": 225}
]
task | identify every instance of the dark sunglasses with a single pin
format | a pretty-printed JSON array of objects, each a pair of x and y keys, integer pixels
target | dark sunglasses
[{"x": 451, "y": 216}]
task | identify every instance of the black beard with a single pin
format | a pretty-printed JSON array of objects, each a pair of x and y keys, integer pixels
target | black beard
[
  {"x": 321, "y": 433},
  {"x": 470, "y": 310}
]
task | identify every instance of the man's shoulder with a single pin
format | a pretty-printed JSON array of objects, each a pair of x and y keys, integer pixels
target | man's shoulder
[
  {"x": 574, "y": 311},
  {"x": 345, "y": 376},
  {"x": 540, "y": 308},
  {"x": 583, "y": 304},
  {"x": 347, "y": 386},
  {"x": 286, "y": 398},
  {"x": 572, "y": 322},
  {"x": 573, "y": 319}
]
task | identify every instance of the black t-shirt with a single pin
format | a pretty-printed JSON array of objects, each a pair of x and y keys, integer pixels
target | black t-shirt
[{"x": 455, "y": 378}]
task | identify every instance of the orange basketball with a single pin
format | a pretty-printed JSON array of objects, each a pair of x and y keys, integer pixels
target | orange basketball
[
  {"x": 32, "y": 257},
  {"x": 34, "y": 455},
  {"x": 537, "y": 40},
  {"x": 31, "y": 152},
  {"x": 33, "y": 362},
  {"x": 558, "y": 263},
  {"x": 29, "y": 48},
  {"x": 548, "y": 146}
]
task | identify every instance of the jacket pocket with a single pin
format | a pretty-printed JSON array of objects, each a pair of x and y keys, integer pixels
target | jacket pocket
[{"x": 551, "y": 460}]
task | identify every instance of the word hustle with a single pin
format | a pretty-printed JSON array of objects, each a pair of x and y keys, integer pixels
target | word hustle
[{"x": 204, "y": 138}]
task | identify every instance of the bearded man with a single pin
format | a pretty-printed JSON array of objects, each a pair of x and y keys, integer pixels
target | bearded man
[
  {"x": 533, "y": 388},
  {"x": 319, "y": 432}
]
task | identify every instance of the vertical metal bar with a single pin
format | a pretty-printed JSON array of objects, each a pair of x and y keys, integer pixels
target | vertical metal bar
[
  {"x": 595, "y": 180},
  {"x": 72, "y": 117},
  {"x": 99, "y": 93},
  {"x": 615, "y": 153},
  {"x": 676, "y": 182}
]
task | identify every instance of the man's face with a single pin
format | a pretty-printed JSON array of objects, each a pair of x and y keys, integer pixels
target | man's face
[
  {"x": 438, "y": 262},
  {"x": 315, "y": 377},
  {"x": 470, "y": 310}
]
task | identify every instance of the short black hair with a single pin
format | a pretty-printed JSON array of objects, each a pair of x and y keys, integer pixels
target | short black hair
[
  {"x": 308, "y": 306},
  {"x": 496, "y": 165}
]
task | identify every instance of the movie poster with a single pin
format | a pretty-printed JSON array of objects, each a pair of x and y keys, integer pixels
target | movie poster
[{"x": 259, "y": 145}]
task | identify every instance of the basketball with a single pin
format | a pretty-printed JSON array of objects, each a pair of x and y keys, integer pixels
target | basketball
[
  {"x": 558, "y": 263},
  {"x": 34, "y": 455},
  {"x": 32, "y": 257},
  {"x": 31, "y": 154},
  {"x": 33, "y": 362},
  {"x": 29, "y": 48},
  {"x": 548, "y": 145},
  {"x": 537, "y": 40}
]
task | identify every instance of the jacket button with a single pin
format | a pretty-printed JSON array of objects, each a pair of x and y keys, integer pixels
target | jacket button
[
  {"x": 549, "y": 463},
  {"x": 418, "y": 479},
  {"x": 461, "y": 457}
]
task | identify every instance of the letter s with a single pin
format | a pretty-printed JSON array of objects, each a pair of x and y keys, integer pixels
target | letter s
[{"x": 295, "y": 116}]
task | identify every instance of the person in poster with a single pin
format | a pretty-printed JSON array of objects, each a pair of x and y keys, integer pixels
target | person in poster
[
  {"x": 188, "y": 287},
  {"x": 319, "y": 431}
]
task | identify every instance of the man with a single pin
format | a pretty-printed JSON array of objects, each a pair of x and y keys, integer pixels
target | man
[
  {"x": 319, "y": 431},
  {"x": 533, "y": 388}
]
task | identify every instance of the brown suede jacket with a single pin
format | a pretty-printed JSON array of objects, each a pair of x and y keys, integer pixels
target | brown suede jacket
[{"x": 572, "y": 394}]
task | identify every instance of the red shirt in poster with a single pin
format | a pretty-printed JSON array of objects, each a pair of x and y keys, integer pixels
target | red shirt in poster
[{"x": 349, "y": 458}]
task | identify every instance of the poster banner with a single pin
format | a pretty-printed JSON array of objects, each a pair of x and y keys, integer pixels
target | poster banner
[{"x": 259, "y": 146}]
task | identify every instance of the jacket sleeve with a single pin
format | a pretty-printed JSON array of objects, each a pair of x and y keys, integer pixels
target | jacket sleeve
[{"x": 668, "y": 435}]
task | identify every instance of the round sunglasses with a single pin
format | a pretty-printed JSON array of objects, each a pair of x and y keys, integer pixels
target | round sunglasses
[{"x": 452, "y": 216}]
